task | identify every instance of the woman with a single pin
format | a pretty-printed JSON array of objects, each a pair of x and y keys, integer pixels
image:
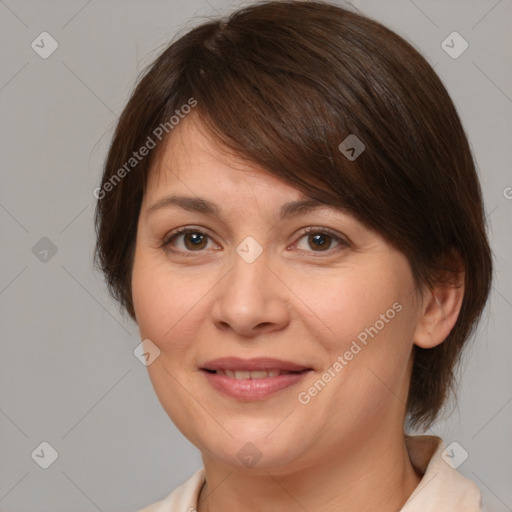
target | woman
[{"x": 301, "y": 242}]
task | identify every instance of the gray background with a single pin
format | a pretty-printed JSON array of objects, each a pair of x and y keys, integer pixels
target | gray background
[{"x": 68, "y": 375}]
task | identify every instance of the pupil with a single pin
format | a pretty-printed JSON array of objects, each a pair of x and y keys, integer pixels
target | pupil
[
  {"x": 321, "y": 241},
  {"x": 194, "y": 240}
]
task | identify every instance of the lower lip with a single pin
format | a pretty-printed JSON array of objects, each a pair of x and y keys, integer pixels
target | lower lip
[{"x": 253, "y": 389}]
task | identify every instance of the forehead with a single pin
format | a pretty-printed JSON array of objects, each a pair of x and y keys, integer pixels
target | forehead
[{"x": 193, "y": 161}]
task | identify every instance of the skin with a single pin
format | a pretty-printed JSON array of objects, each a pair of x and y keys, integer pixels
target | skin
[{"x": 345, "y": 449}]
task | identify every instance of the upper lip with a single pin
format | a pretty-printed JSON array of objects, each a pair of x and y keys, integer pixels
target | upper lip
[{"x": 254, "y": 364}]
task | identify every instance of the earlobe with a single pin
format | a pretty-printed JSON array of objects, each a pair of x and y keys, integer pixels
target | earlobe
[{"x": 441, "y": 308}]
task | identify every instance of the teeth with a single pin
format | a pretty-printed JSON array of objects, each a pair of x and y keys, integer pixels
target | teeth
[
  {"x": 258, "y": 375},
  {"x": 244, "y": 374}
]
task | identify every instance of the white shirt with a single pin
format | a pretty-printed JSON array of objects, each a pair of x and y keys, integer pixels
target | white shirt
[{"x": 441, "y": 489}]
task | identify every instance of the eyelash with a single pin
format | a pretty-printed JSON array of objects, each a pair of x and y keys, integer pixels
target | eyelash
[{"x": 170, "y": 237}]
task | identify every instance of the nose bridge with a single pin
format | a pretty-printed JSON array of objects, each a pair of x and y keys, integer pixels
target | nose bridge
[
  {"x": 249, "y": 250},
  {"x": 249, "y": 273}
]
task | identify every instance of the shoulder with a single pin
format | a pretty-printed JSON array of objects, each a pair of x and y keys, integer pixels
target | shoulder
[{"x": 183, "y": 498}]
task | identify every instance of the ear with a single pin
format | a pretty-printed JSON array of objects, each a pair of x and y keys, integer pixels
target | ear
[{"x": 440, "y": 309}]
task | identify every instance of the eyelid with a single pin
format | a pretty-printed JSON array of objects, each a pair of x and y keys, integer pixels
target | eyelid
[
  {"x": 179, "y": 231},
  {"x": 341, "y": 239}
]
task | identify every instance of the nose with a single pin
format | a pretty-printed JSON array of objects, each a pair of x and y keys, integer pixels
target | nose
[{"x": 251, "y": 300}]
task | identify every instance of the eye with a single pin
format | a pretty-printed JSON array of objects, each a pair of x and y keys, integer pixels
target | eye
[
  {"x": 319, "y": 240},
  {"x": 188, "y": 240}
]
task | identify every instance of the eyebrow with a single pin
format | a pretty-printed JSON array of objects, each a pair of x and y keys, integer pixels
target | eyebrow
[{"x": 200, "y": 205}]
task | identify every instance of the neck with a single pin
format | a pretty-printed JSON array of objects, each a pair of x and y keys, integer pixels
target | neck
[{"x": 372, "y": 475}]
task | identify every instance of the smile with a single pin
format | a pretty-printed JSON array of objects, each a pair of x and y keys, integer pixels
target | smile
[{"x": 252, "y": 379}]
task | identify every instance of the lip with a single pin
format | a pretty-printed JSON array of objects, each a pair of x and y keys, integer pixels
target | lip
[
  {"x": 254, "y": 364},
  {"x": 252, "y": 389}
]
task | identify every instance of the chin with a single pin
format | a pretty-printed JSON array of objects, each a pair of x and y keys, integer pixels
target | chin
[{"x": 256, "y": 449}]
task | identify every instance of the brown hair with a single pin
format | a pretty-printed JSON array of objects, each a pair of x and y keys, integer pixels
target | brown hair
[{"x": 282, "y": 84}]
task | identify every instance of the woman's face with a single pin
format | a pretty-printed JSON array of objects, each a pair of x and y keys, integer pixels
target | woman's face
[{"x": 278, "y": 347}]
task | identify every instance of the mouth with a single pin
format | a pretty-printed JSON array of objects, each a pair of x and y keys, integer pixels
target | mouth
[
  {"x": 245, "y": 374},
  {"x": 252, "y": 379}
]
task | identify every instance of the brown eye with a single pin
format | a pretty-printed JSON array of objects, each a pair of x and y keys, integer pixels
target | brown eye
[
  {"x": 189, "y": 240},
  {"x": 195, "y": 241},
  {"x": 319, "y": 241}
]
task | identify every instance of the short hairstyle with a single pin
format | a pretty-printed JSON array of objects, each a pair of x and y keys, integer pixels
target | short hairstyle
[{"x": 281, "y": 84}]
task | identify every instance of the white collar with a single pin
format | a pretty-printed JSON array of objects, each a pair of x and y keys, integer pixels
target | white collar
[{"x": 441, "y": 489}]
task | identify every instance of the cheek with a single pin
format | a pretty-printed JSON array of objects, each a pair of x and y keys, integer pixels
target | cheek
[
  {"x": 350, "y": 304},
  {"x": 167, "y": 307},
  {"x": 167, "y": 302},
  {"x": 152, "y": 296},
  {"x": 364, "y": 322}
]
